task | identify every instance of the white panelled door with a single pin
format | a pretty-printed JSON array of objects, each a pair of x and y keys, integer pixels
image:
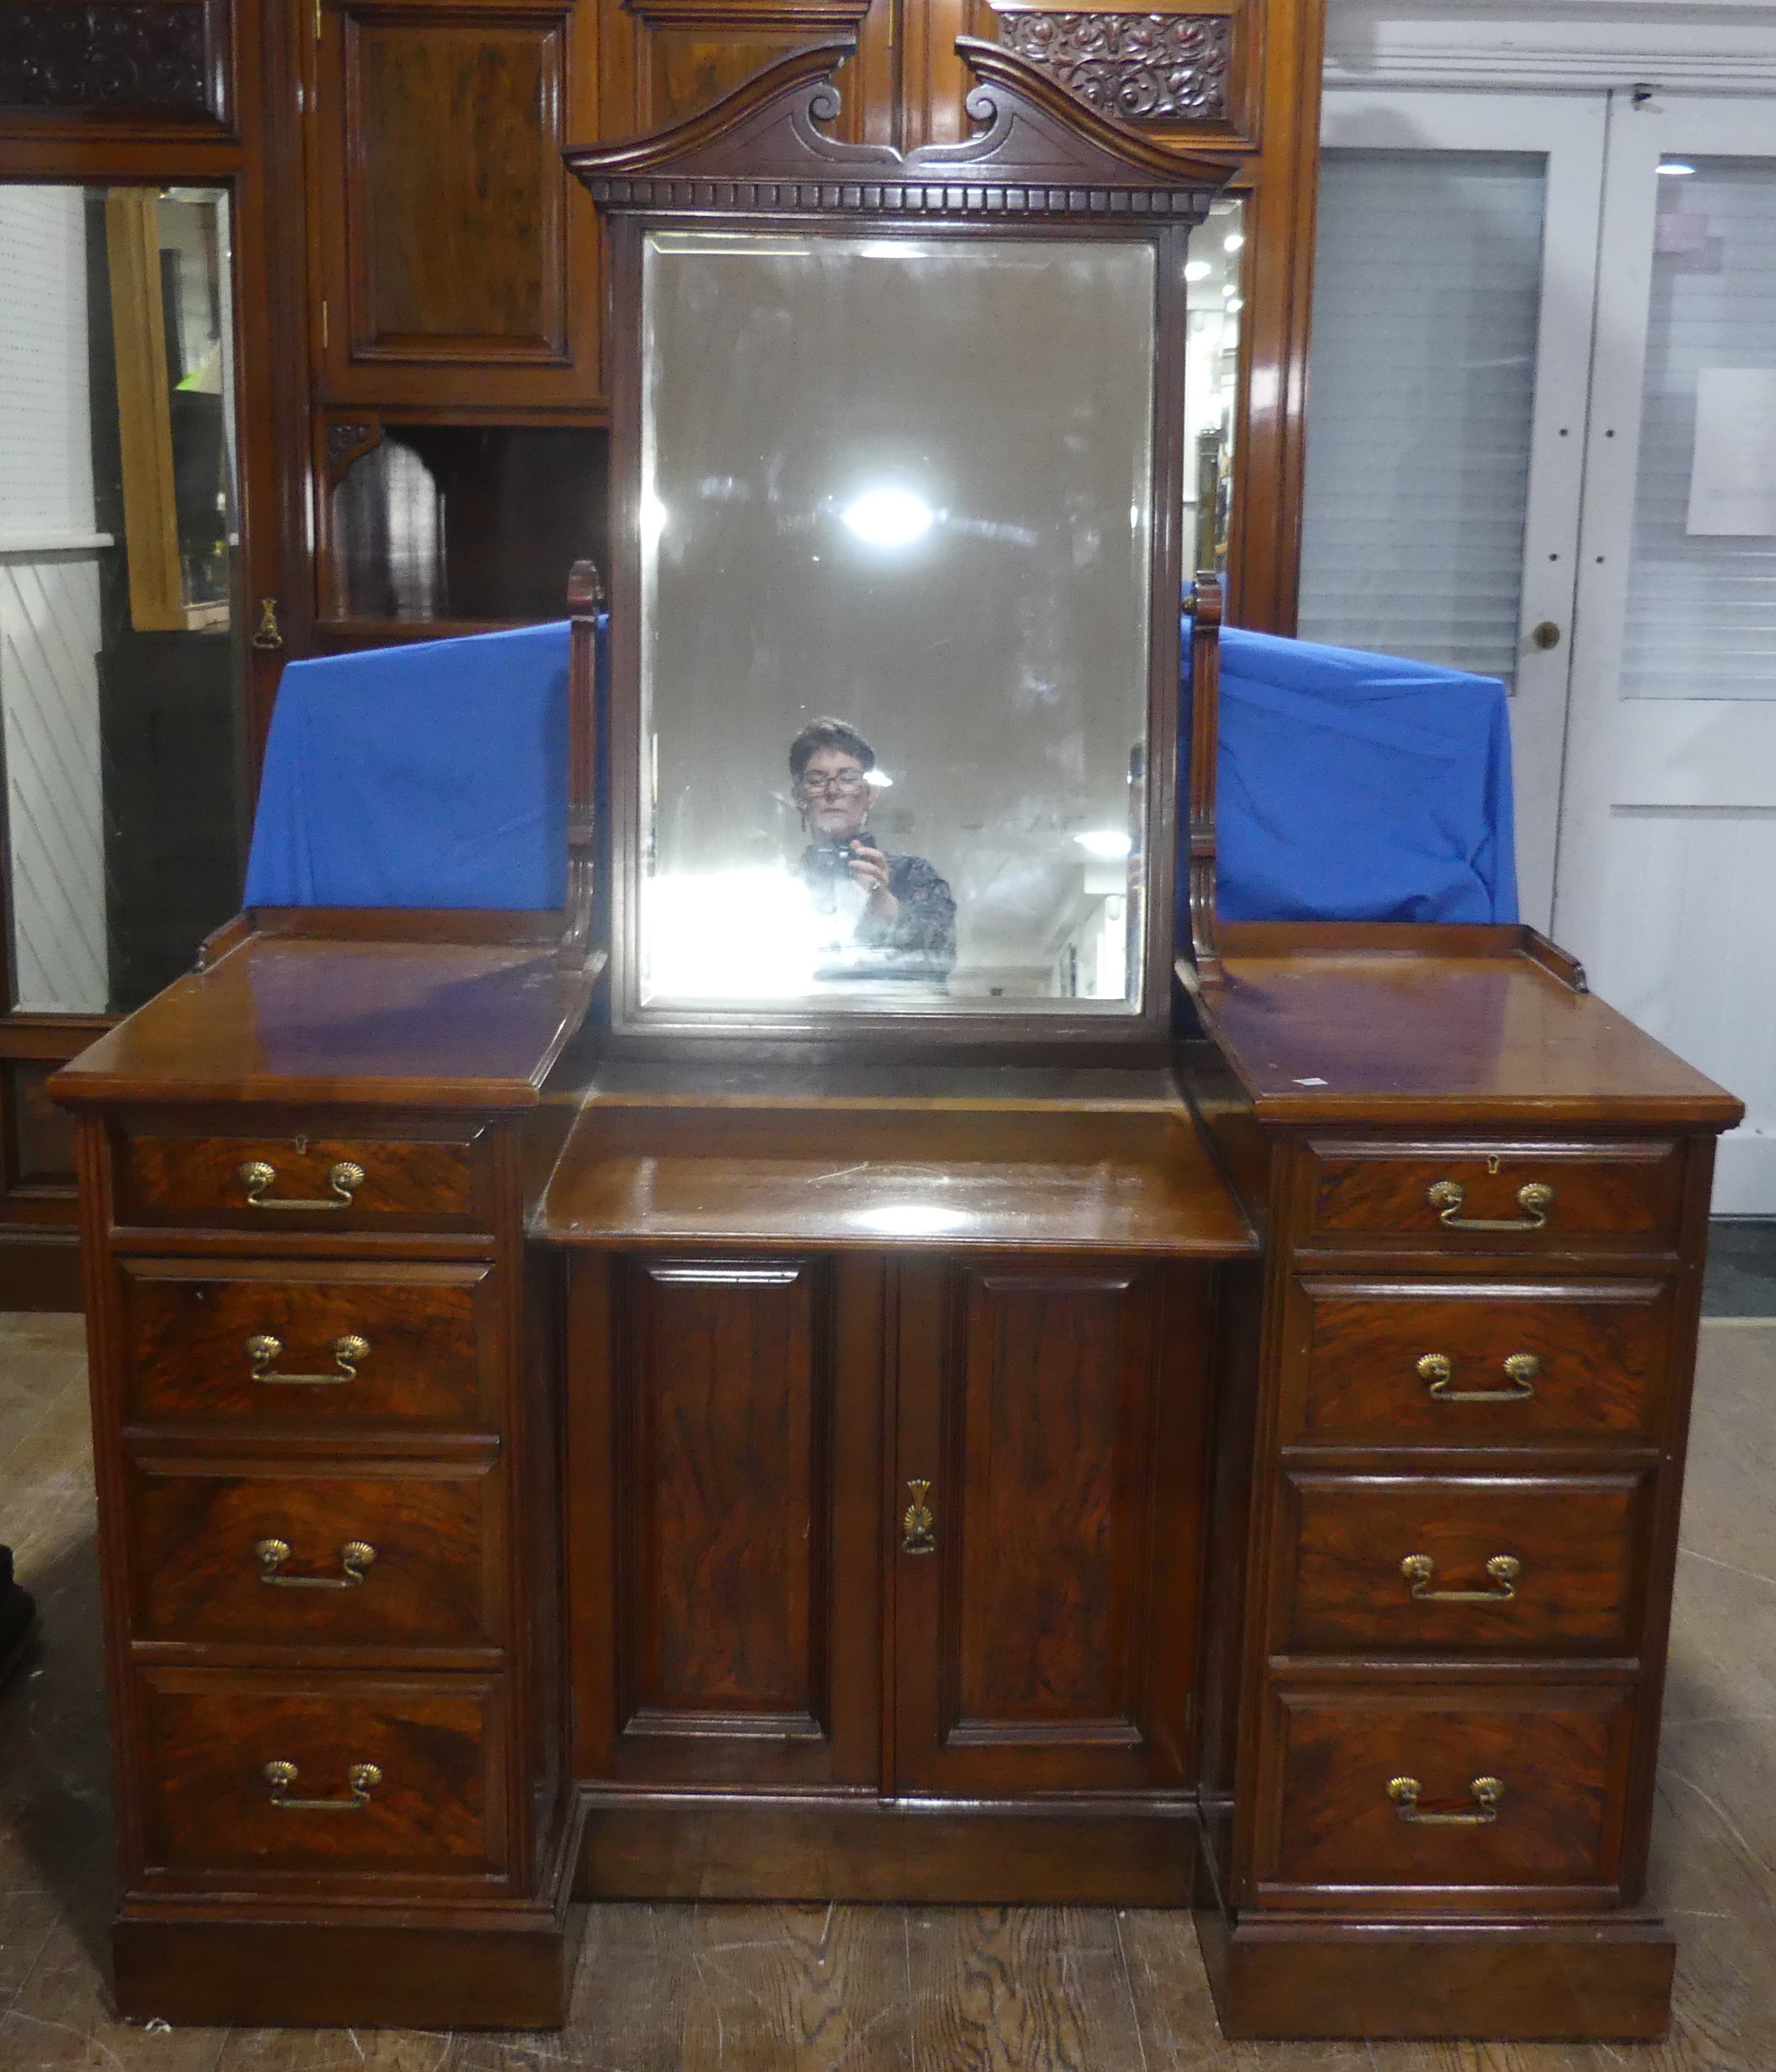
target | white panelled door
[
  {"x": 1456, "y": 278},
  {"x": 1667, "y": 880}
]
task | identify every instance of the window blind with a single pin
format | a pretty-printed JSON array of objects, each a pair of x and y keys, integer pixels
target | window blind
[
  {"x": 1702, "y": 620},
  {"x": 1426, "y": 304}
]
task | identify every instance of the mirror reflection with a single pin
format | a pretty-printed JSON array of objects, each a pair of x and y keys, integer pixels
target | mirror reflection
[
  {"x": 119, "y": 533},
  {"x": 896, "y": 545}
]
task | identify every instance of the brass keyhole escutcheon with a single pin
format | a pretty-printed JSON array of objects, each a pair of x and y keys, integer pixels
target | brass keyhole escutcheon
[{"x": 918, "y": 1532}]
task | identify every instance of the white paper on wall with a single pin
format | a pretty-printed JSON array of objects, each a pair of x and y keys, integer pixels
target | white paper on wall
[{"x": 1733, "y": 485}]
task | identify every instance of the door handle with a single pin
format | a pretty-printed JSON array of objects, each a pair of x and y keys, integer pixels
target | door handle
[{"x": 1546, "y": 635}]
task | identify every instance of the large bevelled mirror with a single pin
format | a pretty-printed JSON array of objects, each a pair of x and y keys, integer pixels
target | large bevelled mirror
[
  {"x": 895, "y": 510},
  {"x": 898, "y": 498}
]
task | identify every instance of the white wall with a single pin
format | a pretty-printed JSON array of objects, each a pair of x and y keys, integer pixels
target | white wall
[{"x": 49, "y": 605}]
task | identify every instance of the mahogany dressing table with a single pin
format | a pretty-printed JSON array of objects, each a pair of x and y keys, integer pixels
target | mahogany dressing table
[{"x": 650, "y": 1401}]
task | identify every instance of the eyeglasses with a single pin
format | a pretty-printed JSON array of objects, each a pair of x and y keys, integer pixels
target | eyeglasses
[{"x": 848, "y": 783}]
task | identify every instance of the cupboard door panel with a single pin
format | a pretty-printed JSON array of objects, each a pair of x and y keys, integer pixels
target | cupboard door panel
[
  {"x": 724, "y": 1443},
  {"x": 739, "y": 1418},
  {"x": 455, "y": 249},
  {"x": 1043, "y": 1641},
  {"x": 447, "y": 242}
]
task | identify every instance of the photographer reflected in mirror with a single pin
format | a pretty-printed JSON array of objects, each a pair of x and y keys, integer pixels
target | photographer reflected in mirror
[{"x": 883, "y": 915}]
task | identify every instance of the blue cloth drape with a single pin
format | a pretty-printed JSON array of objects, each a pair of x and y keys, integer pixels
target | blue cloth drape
[
  {"x": 1353, "y": 786},
  {"x": 429, "y": 775},
  {"x": 1359, "y": 787}
]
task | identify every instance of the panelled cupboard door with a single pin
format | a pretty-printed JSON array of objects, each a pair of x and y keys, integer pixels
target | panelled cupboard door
[
  {"x": 1048, "y": 1484},
  {"x": 454, "y": 262},
  {"x": 724, "y": 1518}
]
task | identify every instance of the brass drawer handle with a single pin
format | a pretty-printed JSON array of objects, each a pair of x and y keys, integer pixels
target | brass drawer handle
[
  {"x": 362, "y": 1777},
  {"x": 354, "y": 1557},
  {"x": 345, "y": 1179},
  {"x": 1535, "y": 1198},
  {"x": 1487, "y": 1791},
  {"x": 1521, "y": 1370},
  {"x": 1503, "y": 1568},
  {"x": 917, "y": 1526},
  {"x": 347, "y": 1352}
]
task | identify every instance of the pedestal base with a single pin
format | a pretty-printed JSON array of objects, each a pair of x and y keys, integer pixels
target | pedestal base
[
  {"x": 359, "y": 1973},
  {"x": 1296, "y": 1977},
  {"x": 732, "y": 1846}
]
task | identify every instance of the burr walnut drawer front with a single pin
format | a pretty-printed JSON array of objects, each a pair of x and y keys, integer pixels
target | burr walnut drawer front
[
  {"x": 1487, "y": 1197},
  {"x": 335, "y": 1343},
  {"x": 323, "y": 1556},
  {"x": 1464, "y": 1565},
  {"x": 325, "y": 1182},
  {"x": 1465, "y": 1362},
  {"x": 1442, "y": 1794},
  {"x": 258, "y": 1774}
]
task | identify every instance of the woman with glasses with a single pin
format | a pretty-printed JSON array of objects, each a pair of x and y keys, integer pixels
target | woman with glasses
[{"x": 889, "y": 916}]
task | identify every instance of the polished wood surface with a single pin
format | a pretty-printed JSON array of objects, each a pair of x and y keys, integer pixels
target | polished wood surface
[
  {"x": 305, "y": 1021},
  {"x": 1037, "y": 1177},
  {"x": 1338, "y": 1028}
]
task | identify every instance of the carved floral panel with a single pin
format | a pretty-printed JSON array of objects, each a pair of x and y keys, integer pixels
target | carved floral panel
[{"x": 1137, "y": 68}]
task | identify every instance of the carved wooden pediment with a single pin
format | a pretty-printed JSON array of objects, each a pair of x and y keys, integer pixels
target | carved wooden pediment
[{"x": 1039, "y": 152}]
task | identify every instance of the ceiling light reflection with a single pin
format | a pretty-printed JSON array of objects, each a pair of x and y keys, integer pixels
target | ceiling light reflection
[
  {"x": 1105, "y": 842},
  {"x": 909, "y": 1219},
  {"x": 888, "y": 517}
]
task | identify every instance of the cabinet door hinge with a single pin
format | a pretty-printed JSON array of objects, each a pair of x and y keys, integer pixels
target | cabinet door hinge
[{"x": 325, "y": 327}]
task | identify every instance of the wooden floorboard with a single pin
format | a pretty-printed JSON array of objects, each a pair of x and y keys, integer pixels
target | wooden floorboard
[{"x": 709, "y": 1987}]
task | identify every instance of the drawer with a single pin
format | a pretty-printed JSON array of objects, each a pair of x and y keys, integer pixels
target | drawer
[
  {"x": 1489, "y": 1197},
  {"x": 378, "y": 1774},
  {"x": 333, "y": 1344},
  {"x": 1464, "y": 1565},
  {"x": 1369, "y": 1789},
  {"x": 270, "y": 1183},
  {"x": 1460, "y": 1363},
  {"x": 224, "y": 1551}
]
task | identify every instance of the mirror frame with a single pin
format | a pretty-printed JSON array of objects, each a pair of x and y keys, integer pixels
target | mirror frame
[{"x": 1041, "y": 164}]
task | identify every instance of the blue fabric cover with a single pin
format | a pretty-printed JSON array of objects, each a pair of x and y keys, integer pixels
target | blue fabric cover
[
  {"x": 1358, "y": 788},
  {"x": 429, "y": 775},
  {"x": 1353, "y": 787}
]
